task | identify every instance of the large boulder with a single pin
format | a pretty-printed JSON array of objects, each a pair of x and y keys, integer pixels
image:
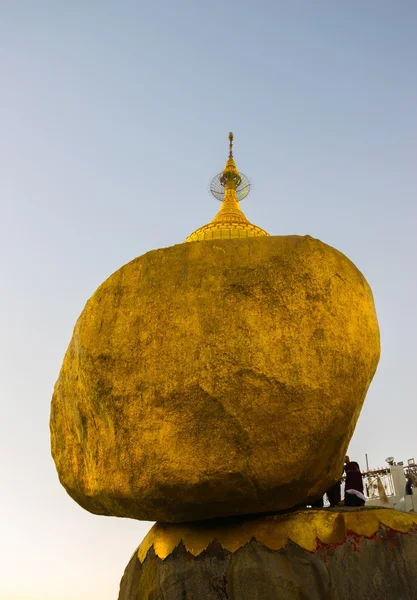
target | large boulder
[
  {"x": 215, "y": 378},
  {"x": 325, "y": 554}
]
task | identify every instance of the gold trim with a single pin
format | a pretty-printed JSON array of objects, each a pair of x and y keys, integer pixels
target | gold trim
[{"x": 305, "y": 528}]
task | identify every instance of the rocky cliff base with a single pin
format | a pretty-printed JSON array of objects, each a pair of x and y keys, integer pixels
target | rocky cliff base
[{"x": 361, "y": 558}]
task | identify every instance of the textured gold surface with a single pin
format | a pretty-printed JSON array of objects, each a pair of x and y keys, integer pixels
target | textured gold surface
[
  {"x": 205, "y": 380},
  {"x": 305, "y": 528},
  {"x": 230, "y": 222}
]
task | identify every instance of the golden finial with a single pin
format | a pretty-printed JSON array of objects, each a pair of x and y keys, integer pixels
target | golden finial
[
  {"x": 230, "y": 177},
  {"x": 230, "y": 223}
]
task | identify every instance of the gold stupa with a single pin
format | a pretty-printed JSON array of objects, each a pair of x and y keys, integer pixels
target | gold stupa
[
  {"x": 230, "y": 222},
  {"x": 215, "y": 379}
]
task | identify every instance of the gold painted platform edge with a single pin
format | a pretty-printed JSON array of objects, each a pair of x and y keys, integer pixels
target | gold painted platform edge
[{"x": 306, "y": 528}]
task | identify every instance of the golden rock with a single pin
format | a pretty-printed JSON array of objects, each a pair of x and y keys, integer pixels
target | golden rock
[{"x": 213, "y": 379}]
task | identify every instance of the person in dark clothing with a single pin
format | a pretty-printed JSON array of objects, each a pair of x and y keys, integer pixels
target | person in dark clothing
[
  {"x": 319, "y": 503},
  {"x": 408, "y": 486},
  {"x": 334, "y": 494},
  {"x": 354, "y": 495}
]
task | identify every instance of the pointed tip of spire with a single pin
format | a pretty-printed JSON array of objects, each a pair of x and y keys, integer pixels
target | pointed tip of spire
[
  {"x": 231, "y": 144},
  {"x": 230, "y": 171}
]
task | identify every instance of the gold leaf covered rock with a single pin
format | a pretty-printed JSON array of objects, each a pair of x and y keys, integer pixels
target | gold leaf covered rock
[{"x": 216, "y": 378}]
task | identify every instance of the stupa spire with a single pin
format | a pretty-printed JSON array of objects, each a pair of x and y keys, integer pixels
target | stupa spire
[
  {"x": 230, "y": 164},
  {"x": 229, "y": 187}
]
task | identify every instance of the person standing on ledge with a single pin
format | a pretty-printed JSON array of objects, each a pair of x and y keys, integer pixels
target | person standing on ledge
[
  {"x": 354, "y": 495},
  {"x": 408, "y": 485}
]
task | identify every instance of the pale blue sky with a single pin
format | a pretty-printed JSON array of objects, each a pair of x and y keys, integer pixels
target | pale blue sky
[{"x": 113, "y": 118}]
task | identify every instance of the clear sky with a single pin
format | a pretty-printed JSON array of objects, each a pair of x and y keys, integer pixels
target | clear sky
[{"x": 113, "y": 118}]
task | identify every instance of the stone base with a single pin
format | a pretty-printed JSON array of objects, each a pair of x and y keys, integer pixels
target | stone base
[{"x": 332, "y": 554}]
